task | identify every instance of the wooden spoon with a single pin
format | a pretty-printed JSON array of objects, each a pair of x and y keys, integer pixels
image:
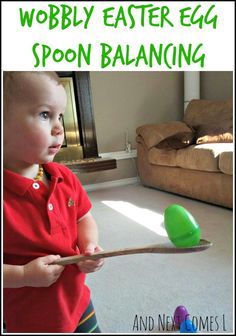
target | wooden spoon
[{"x": 203, "y": 245}]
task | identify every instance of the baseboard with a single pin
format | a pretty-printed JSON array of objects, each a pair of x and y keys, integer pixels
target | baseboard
[
  {"x": 110, "y": 184},
  {"x": 122, "y": 155}
]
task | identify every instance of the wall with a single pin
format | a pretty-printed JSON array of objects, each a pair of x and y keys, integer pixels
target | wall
[
  {"x": 124, "y": 100},
  {"x": 216, "y": 85}
]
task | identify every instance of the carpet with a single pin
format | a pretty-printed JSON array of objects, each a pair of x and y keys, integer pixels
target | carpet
[{"x": 139, "y": 293}]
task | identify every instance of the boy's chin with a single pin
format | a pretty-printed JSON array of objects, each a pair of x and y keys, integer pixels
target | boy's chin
[{"x": 48, "y": 160}]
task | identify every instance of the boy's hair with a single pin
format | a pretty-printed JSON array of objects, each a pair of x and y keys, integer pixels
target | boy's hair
[{"x": 11, "y": 82}]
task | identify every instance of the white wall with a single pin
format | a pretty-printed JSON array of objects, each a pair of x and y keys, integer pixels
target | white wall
[
  {"x": 216, "y": 85},
  {"x": 126, "y": 100}
]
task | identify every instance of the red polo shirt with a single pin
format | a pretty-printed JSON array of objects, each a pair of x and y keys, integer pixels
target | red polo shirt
[{"x": 39, "y": 221}]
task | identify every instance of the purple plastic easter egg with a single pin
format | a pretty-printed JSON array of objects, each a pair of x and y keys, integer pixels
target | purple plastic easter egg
[{"x": 180, "y": 315}]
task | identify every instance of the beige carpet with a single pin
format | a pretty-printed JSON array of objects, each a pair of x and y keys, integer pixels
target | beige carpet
[{"x": 139, "y": 293}]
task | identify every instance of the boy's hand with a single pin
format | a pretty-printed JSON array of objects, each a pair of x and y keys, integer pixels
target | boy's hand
[
  {"x": 89, "y": 266},
  {"x": 39, "y": 272}
]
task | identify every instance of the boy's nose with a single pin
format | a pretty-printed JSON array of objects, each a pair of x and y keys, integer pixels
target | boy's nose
[{"x": 58, "y": 129}]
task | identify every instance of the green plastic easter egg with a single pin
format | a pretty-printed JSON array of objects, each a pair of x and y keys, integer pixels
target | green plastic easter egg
[{"x": 181, "y": 226}]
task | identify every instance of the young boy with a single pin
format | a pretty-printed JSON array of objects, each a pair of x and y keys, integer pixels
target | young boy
[{"x": 46, "y": 214}]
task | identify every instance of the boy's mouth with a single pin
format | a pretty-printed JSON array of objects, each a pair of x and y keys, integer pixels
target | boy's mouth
[
  {"x": 54, "y": 149},
  {"x": 55, "y": 146}
]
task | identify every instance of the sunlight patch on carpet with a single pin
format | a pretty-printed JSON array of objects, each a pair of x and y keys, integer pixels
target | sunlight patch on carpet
[{"x": 147, "y": 218}]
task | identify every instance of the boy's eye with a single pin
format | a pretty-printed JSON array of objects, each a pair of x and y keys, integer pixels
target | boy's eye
[
  {"x": 61, "y": 118},
  {"x": 44, "y": 115}
]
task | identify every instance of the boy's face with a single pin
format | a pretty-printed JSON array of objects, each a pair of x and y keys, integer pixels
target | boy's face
[{"x": 33, "y": 131}]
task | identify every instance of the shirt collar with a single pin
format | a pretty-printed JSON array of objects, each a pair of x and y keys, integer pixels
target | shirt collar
[{"x": 20, "y": 184}]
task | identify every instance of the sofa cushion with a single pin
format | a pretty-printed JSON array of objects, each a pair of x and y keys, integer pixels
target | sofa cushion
[
  {"x": 200, "y": 111},
  {"x": 213, "y": 157},
  {"x": 153, "y": 134},
  {"x": 177, "y": 141},
  {"x": 214, "y": 133},
  {"x": 203, "y": 157},
  {"x": 162, "y": 157},
  {"x": 226, "y": 162}
]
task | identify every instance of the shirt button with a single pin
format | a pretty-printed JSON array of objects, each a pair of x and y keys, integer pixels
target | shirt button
[
  {"x": 50, "y": 206},
  {"x": 36, "y": 185}
]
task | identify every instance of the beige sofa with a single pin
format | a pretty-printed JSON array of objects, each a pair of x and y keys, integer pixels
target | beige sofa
[{"x": 192, "y": 157}]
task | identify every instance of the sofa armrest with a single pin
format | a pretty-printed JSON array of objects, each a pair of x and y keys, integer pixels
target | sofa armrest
[{"x": 153, "y": 134}]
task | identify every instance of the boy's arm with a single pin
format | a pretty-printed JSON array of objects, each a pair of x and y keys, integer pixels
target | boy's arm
[
  {"x": 13, "y": 276},
  {"x": 37, "y": 273},
  {"x": 87, "y": 233},
  {"x": 88, "y": 243}
]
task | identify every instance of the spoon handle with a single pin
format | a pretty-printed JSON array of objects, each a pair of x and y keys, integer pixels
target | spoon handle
[{"x": 203, "y": 245}]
